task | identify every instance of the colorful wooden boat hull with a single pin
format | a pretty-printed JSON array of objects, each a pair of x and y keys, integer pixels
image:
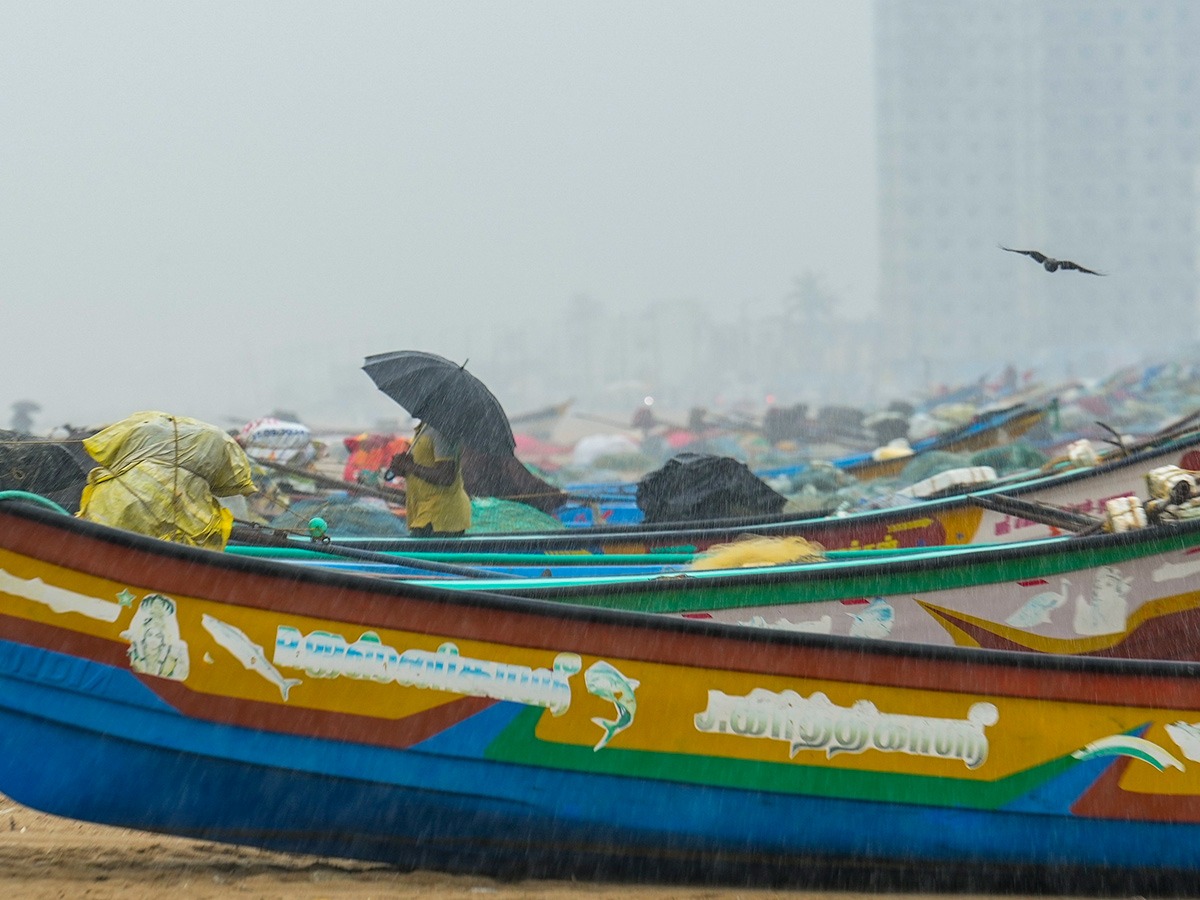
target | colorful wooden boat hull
[
  {"x": 1131, "y": 595},
  {"x": 1145, "y": 608},
  {"x": 177, "y": 690},
  {"x": 1001, "y": 428}
]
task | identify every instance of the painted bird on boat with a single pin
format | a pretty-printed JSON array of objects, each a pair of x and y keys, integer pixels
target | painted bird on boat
[{"x": 1050, "y": 264}]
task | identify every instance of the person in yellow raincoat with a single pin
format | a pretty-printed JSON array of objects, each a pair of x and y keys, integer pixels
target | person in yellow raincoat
[{"x": 437, "y": 503}]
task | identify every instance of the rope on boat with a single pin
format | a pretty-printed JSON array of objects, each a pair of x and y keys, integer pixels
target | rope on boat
[
  {"x": 44, "y": 441},
  {"x": 33, "y": 498},
  {"x": 249, "y": 533}
]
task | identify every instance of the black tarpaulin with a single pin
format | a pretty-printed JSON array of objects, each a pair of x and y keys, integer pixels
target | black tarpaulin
[{"x": 695, "y": 486}]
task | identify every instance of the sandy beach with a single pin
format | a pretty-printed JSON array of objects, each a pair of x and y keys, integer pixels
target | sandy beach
[{"x": 47, "y": 858}]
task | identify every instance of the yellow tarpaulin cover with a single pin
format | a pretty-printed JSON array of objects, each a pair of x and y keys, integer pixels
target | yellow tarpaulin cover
[{"x": 160, "y": 475}]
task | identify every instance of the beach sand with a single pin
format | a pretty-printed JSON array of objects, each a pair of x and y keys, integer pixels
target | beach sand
[{"x": 47, "y": 858}]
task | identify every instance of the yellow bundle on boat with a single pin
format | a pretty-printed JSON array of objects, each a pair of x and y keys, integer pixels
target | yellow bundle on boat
[
  {"x": 160, "y": 475},
  {"x": 759, "y": 551}
]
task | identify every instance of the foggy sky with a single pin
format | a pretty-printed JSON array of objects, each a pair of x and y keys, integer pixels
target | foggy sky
[{"x": 213, "y": 208}]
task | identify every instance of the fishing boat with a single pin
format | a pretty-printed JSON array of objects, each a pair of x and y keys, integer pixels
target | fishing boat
[
  {"x": 988, "y": 429},
  {"x": 615, "y": 503},
  {"x": 984, "y": 516},
  {"x": 171, "y": 689},
  {"x": 540, "y": 423},
  {"x": 1135, "y": 594}
]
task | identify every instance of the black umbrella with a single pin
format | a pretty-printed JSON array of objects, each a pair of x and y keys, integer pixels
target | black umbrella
[{"x": 446, "y": 396}]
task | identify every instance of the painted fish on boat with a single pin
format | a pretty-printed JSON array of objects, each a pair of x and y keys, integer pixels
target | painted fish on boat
[{"x": 768, "y": 747}]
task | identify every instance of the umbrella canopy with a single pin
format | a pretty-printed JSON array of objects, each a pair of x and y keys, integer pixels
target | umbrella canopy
[{"x": 445, "y": 395}]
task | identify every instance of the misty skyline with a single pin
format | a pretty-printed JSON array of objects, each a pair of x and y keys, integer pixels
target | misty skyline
[
  {"x": 220, "y": 208},
  {"x": 1063, "y": 126}
]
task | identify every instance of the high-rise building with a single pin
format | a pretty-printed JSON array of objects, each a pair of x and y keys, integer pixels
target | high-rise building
[{"x": 1064, "y": 126}]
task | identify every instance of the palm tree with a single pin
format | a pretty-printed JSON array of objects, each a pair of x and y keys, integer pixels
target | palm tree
[{"x": 810, "y": 300}]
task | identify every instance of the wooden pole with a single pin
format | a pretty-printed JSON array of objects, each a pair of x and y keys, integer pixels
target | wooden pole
[{"x": 392, "y": 495}]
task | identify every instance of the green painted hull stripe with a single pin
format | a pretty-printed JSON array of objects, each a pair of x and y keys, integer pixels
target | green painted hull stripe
[
  {"x": 556, "y": 559},
  {"x": 707, "y": 593},
  {"x": 518, "y": 744}
]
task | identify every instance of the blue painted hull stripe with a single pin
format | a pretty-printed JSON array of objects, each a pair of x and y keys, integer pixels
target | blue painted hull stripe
[{"x": 163, "y": 771}]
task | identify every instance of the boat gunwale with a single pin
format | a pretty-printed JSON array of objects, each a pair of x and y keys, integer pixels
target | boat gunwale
[
  {"x": 923, "y": 561},
  {"x": 996, "y": 419},
  {"x": 971, "y": 657}
]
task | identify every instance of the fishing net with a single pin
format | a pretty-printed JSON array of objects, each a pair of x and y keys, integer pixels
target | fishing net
[
  {"x": 344, "y": 517},
  {"x": 491, "y": 514},
  {"x": 41, "y": 467},
  {"x": 821, "y": 477},
  {"x": 1016, "y": 457},
  {"x": 930, "y": 463},
  {"x": 759, "y": 551},
  {"x": 347, "y": 516}
]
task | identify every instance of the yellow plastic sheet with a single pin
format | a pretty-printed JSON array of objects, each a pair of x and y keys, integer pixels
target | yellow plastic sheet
[{"x": 160, "y": 475}]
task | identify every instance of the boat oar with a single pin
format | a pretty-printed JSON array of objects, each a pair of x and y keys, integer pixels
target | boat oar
[
  {"x": 1052, "y": 516},
  {"x": 249, "y": 533}
]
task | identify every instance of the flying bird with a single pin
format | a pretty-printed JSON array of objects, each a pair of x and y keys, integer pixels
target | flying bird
[{"x": 1050, "y": 264}]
